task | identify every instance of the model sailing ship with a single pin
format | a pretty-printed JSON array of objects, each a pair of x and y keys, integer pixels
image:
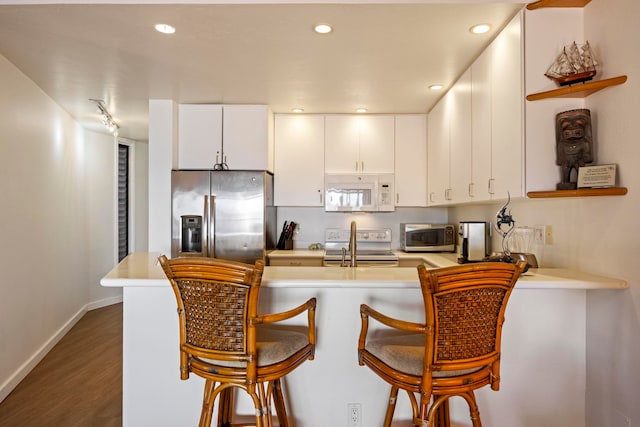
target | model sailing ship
[{"x": 575, "y": 64}]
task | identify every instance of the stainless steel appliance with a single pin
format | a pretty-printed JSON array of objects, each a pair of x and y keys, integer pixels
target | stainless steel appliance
[
  {"x": 222, "y": 214},
  {"x": 359, "y": 192},
  {"x": 427, "y": 237},
  {"x": 373, "y": 247},
  {"x": 474, "y": 241}
]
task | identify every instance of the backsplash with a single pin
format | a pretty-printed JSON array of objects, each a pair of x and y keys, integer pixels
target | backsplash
[{"x": 314, "y": 221}]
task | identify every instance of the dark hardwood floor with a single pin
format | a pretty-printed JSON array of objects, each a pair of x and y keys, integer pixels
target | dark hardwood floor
[{"x": 79, "y": 383}]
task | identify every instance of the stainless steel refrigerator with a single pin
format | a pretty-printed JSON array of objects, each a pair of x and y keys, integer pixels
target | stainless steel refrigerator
[{"x": 222, "y": 214}]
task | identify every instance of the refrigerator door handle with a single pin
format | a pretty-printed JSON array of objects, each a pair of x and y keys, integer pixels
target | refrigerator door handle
[
  {"x": 211, "y": 217},
  {"x": 205, "y": 228}
]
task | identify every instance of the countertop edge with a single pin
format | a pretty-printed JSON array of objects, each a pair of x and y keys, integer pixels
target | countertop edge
[{"x": 141, "y": 269}]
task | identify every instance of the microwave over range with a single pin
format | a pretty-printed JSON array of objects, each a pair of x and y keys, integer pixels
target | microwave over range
[
  {"x": 359, "y": 192},
  {"x": 427, "y": 237}
]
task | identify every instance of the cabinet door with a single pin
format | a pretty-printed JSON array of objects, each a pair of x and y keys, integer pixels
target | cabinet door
[
  {"x": 199, "y": 135},
  {"x": 359, "y": 143},
  {"x": 460, "y": 140},
  {"x": 411, "y": 160},
  {"x": 507, "y": 112},
  {"x": 342, "y": 143},
  {"x": 376, "y": 143},
  {"x": 481, "y": 126},
  {"x": 438, "y": 154},
  {"x": 246, "y": 137},
  {"x": 299, "y": 160}
]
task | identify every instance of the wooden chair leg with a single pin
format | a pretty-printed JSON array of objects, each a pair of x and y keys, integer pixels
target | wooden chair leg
[
  {"x": 391, "y": 407},
  {"x": 474, "y": 412},
  {"x": 225, "y": 407},
  {"x": 278, "y": 402},
  {"x": 207, "y": 404}
]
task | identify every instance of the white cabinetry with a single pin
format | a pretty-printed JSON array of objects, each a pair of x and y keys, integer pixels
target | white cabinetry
[
  {"x": 450, "y": 145},
  {"x": 411, "y": 160},
  {"x": 299, "y": 160},
  {"x": 507, "y": 118},
  {"x": 359, "y": 144},
  {"x": 247, "y": 137},
  {"x": 476, "y": 130},
  {"x": 199, "y": 135},
  {"x": 244, "y": 133},
  {"x": 438, "y": 153}
]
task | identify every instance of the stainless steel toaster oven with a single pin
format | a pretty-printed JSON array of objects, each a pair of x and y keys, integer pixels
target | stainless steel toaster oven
[{"x": 427, "y": 237}]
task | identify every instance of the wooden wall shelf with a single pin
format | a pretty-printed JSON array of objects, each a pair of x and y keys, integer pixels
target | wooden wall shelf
[
  {"x": 557, "y": 3},
  {"x": 579, "y": 90},
  {"x": 580, "y": 192}
]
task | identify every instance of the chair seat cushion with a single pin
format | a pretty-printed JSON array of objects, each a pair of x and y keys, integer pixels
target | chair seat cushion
[
  {"x": 274, "y": 344},
  {"x": 405, "y": 353}
]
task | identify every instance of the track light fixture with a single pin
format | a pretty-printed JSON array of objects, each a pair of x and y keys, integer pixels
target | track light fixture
[{"x": 107, "y": 119}]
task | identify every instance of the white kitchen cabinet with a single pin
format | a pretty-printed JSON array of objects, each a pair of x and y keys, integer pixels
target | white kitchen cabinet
[
  {"x": 481, "y": 125},
  {"x": 438, "y": 153},
  {"x": 411, "y": 160},
  {"x": 460, "y": 140},
  {"x": 359, "y": 143},
  {"x": 247, "y": 137},
  {"x": 450, "y": 145},
  {"x": 243, "y": 133},
  {"x": 299, "y": 160},
  {"x": 199, "y": 135},
  {"x": 476, "y": 130},
  {"x": 507, "y": 117}
]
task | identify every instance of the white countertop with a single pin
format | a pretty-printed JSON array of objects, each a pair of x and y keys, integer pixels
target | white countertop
[{"x": 142, "y": 269}]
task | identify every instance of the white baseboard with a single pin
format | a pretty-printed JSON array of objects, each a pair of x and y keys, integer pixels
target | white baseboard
[
  {"x": 104, "y": 302},
  {"x": 13, "y": 381}
]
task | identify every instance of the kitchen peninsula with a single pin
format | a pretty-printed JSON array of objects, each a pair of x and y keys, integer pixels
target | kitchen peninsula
[{"x": 543, "y": 344}]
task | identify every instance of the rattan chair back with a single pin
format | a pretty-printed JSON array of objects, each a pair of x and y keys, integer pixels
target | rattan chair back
[
  {"x": 221, "y": 332},
  {"x": 455, "y": 351}
]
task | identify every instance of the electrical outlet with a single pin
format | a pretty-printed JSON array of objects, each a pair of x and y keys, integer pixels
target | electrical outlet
[
  {"x": 548, "y": 235},
  {"x": 354, "y": 414},
  {"x": 539, "y": 233}
]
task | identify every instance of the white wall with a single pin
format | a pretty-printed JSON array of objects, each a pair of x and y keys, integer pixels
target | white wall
[
  {"x": 56, "y": 223},
  {"x": 599, "y": 234}
]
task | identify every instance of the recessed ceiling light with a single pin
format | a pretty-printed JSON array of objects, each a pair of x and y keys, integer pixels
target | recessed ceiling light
[
  {"x": 361, "y": 110},
  {"x": 297, "y": 110},
  {"x": 436, "y": 87},
  {"x": 480, "y": 28},
  {"x": 165, "y": 28},
  {"x": 322, "y": 28}
]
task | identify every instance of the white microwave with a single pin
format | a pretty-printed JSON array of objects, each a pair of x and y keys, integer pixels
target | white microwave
[{"x": 359, "y": 192}]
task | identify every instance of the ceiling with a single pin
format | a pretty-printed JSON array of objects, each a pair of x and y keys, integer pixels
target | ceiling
[{"x": 380, "y": 56}]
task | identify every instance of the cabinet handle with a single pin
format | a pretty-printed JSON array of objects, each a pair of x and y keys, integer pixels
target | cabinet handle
[
  {"x": 397, "y": 198},
  {"x": 320, "y": 194},
  {"x": 431, "y": 197},
  {"x": 470, "y": 189},
  {"x": 490, "y": 185},
  {"x": 362, "y": 166},
  {"x": 447, "y": 194},
  {"x": 356, "y": 166}
]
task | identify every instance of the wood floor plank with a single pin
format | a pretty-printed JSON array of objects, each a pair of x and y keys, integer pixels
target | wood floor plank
[{"x": 79, "y": 383}]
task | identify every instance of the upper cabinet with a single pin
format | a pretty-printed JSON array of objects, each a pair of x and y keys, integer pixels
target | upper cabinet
[
  {"x": 199, "y": 135},
  {"x": 449, "y": 148},
  {"x": 243, "y": 133},
  {"x": 476, "y": 130},
  {"x": 359, "y": 143},
  {"x": 411, "y": 160},
  {"x": 299, "y": 160},
  {"x": 247, "y": 137}
]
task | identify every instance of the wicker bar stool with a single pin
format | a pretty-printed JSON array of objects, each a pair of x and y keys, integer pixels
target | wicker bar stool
[
  {"x": 455, "y": 351},
  {"x": 225, "y": 341}
]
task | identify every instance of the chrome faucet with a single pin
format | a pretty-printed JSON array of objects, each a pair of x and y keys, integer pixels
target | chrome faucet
[{"x": 353, "y": 250}]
